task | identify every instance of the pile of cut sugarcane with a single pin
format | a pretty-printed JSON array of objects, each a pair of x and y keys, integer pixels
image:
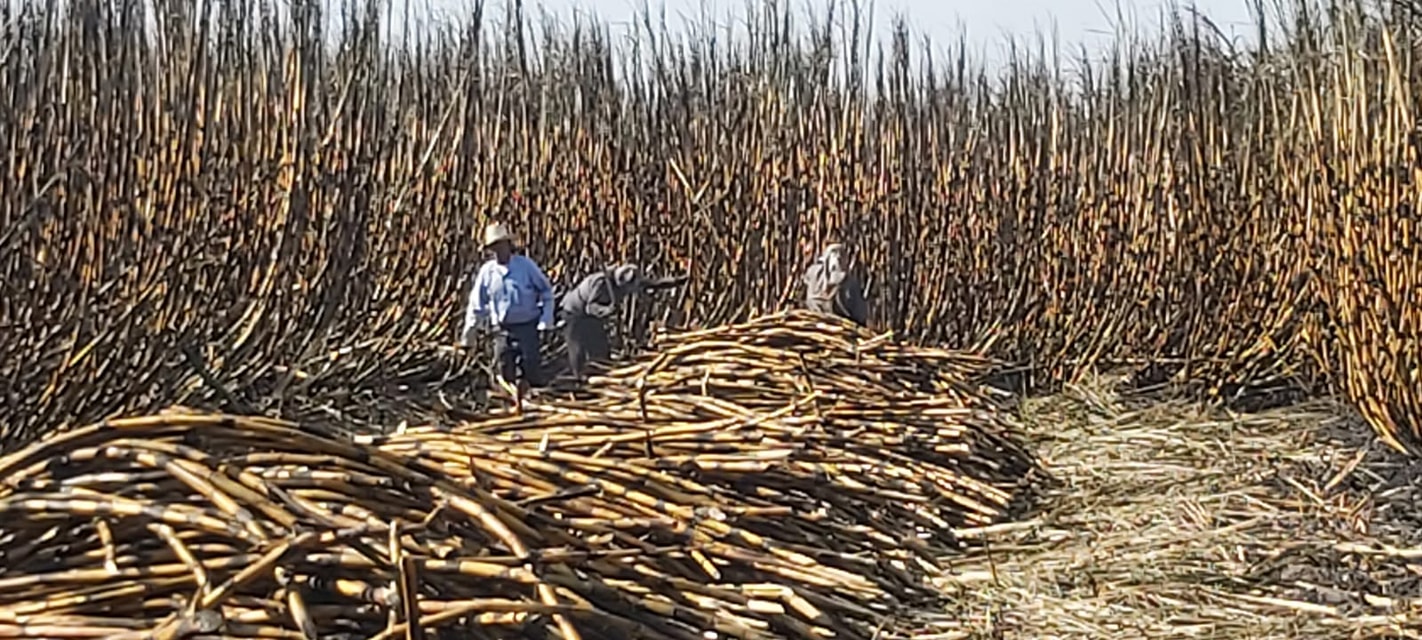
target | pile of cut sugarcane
[{"x": 790, "y": 477}]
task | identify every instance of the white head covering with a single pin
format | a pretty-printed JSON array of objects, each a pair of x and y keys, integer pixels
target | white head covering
[
  {"x": 833, "y": 258},
  {"x": 626, "y": 275}
]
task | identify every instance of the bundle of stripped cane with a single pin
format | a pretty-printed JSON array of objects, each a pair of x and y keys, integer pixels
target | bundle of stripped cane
[
  {"x": 795, "y": 450},
  {"x": 810, "y": 503}
]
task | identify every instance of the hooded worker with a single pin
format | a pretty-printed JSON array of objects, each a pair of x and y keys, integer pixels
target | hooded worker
[
  {"x": 586, "y": 309},
  {"x": 831, "y": 289},
  {"x": 512, "y": 298}
]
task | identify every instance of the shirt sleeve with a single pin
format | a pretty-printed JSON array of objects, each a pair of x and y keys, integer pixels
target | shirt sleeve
[
  {"x": 601, "y": 301},
  {"x": 578, "y": 301},
  {"x": 664, "y": 282},
  {"x": 815, "y": 285},
  {"x": 478, "y": 308},
  {"x": 545, "y": 293}
]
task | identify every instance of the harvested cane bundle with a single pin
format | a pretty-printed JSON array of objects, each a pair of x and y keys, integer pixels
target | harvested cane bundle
[
  {"x": 178, "y": 524},
  {"x": 659, "y": 514},
  {"x": 788, "y": 353},
  {"x": 793, "y": 450}
]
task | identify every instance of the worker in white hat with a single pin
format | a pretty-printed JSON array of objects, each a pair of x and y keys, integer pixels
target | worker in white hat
[
  {"x": 831, "y": 289},
  {"x": 512, "y": 298},
  {"x": 586, "y": 309}
]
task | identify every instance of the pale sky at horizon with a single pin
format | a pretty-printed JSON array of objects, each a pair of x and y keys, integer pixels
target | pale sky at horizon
[{"x": 986, "y": 23}]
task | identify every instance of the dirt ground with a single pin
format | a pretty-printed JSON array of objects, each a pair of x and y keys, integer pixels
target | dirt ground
[{"x": 1175, "y": 522}]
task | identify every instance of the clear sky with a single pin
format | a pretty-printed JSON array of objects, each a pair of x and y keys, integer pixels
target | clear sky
[{"x": 986, "y": 23}]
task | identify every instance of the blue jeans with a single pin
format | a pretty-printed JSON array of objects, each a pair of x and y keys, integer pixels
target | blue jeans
[{"x": 516, "y": 350}]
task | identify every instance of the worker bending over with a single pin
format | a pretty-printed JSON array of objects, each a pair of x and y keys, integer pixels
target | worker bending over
[{"x": 586, "y": 309}]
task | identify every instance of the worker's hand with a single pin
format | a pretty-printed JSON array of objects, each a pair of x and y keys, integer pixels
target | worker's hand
[
  {"x": 601, "y": 311},
  {"x": 473, "y": 334},
  {"x": 542, "y": 326}
]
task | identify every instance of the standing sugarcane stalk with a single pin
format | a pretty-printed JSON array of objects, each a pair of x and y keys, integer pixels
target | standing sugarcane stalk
[{"x": 1152, "y": 222}]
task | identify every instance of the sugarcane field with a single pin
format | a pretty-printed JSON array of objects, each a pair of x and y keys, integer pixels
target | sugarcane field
[{"x": 357, "y": 320}]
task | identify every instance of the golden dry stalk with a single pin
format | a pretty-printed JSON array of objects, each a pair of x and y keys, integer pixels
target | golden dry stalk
[
  {"x": 225, "y": 210},
  {"x": 788, "y": 478}
]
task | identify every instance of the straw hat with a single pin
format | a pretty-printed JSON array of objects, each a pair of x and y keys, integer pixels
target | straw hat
[{"x": 495, "y": 233}]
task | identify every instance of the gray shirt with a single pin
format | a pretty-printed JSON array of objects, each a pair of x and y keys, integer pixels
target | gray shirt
[
  {"x": 598, "y": 294},
  {"x": 592, "y": 297}
]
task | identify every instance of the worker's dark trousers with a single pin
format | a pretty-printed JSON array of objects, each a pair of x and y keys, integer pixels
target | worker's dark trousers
[
  {"x": 516, "y": 350},
  {"x": 587, "y": 342}
]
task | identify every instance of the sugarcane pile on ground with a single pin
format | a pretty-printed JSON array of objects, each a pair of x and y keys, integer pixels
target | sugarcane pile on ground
[{"x": 786, "y": 478}]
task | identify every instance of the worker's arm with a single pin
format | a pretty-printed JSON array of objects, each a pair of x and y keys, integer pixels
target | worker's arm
[
  {"x": 658, "y": 284},
  {"x": 476, "y": 314},
  {"x": 834, "y": 283},
  {"x": 820, "y": 286},
  {"x": 601, "y": 304},
  {"x": 545, "y": 295}
]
